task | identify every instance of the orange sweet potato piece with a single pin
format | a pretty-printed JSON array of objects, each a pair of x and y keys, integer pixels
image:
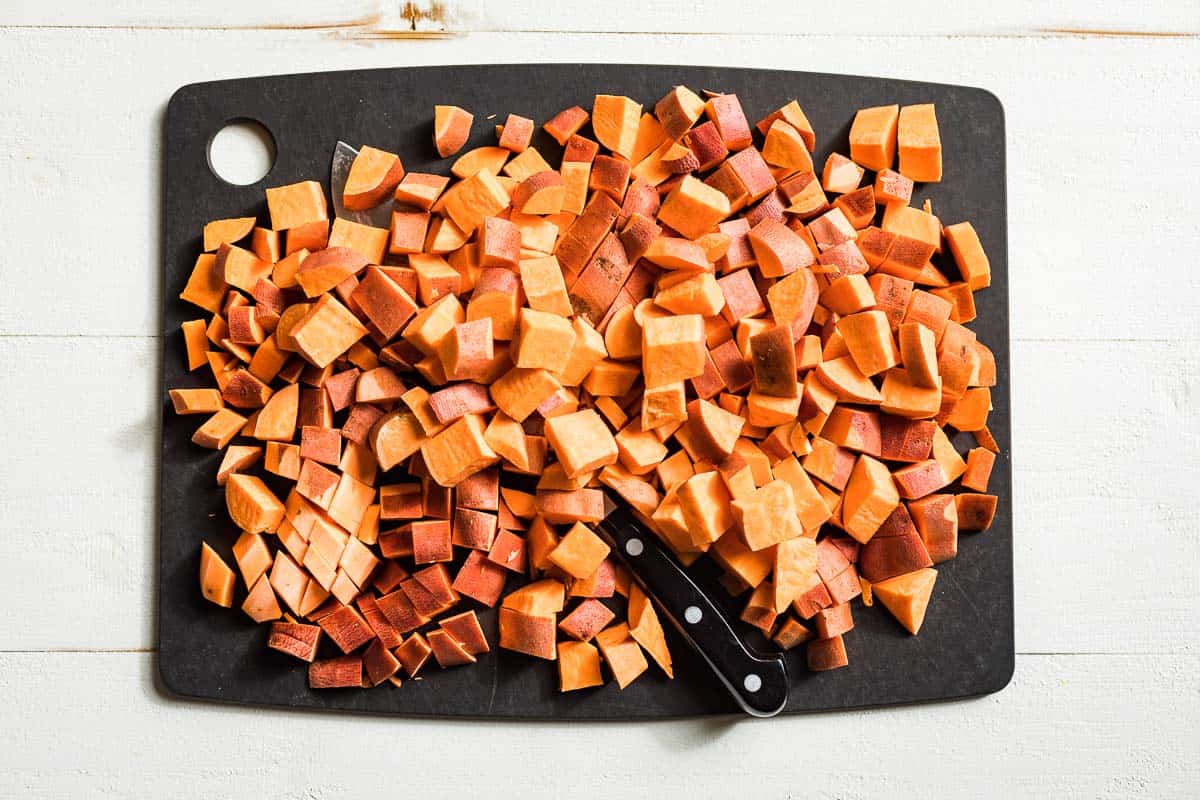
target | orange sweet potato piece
[
  {"x": 768, "y": 516},
  {"x": 920, "y": 143},
  {"x": 530, "y": 634},
  {"x": 373, "y": 176},
  {"x": 868, "y": 337},
  {"x": 975, "y": 511},
  {"x": 251, "y": 505},
  {"x": 580, "y": 552},
  {"x": 980, "y": 461},
  {"x": 968, "y": 254},
  {"x": 646, "y": 630},
  {"x": 725, "y": 112},
  {"x": 216, "y": 578},
  {"x": 615, "y": 122},
  {"x": 773, "y": 355},
  {"x": 907, "y": 596},
  {"x": 678, "y": 111},
  {"x": 873, "y": 137},
  {"x": 457, "y": 452},
  {"x": 566, "y": 123},
  {"x": 843, "y": 377},
  {"x": 936, "y": 520},
  {"x": 296, "y": 205},
  {"x": 578, "y": 666},
  {"x": 672, "y": 349},
  {"x": 826, "y": 654},
  {"x": 693, "y": 208},
  {"x": 451, "y": 129},
  {"x": 622, "y": 654},
  {"x": 870, "y": 497},
  {"x": 778, "y": 249}
]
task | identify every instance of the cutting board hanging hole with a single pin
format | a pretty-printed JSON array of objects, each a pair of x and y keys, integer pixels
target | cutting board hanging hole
[{"x": 242, "y": 152}]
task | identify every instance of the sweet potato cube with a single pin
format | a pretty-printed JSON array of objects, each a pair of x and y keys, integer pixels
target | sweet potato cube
[
  {"x": 431, "y": 541},
  {"x": 840, "y": 175},
  {"x": 480, "y": 579},
  {"x": 704, "y": 502},
  {"x": 936, "y": 521},
  {"x": 794, "y": 570},
  {"x": 646, "y": 630},
  {"x": 457, "y": 452},
  {"x": 615, "y": 122},
  {"x": 466, "y": 631},
  {"x": 907, "y": 597},
  {"x": 578, "y": 666},
  {"x": 451, "y": 129},
  {"x": 892, "y": 187},
  {"x": 868, "y": 337},
  {"x": 420, "y": 189},
  {"x": 768, "y": 516},
  {"x": 581, "y": 441},
  {"x": 373, "y": 176},
  {"x": 413, "y": 654},
  {"x": 327, "y": 331},
  {"x": 467, "y": 351},
  {"x": 678, "y": 111},
  {"x": 472, "y": 200},
  {"x": 714, "y": 430},
  {"x": 296, "y": 204},
  {"x": 251, "y": 505},
  {"x": 622, "y": 653},
  {"x": 778, "y": 249},
  {"x": 870, "y": 497},
  {"x": 530, "y": 634},
  {"x": 346, "y": 628},
  {"x": 975, "y": 511},
  {"x": 920, "y": 143},
  {"x": 826, "y": 654},
  {"x": 447, "y": 651},
  {"x": 580, "y": 552},
  {"x": 586, "y": 620},
  {"x": 725, "y": 112},
  {"x": 299, "y": 641},
  {"x": 508, "y": 550},
  {"x": 562, "y": 507},
  {"x": 672, "y": 349},
  {"x": 774, "y": 358},
  {"x": 474, "y": 529},
  {"x": 545, "y": 290},
  {"x": 968, "y": 253},
  {"x": 216, "y": 578},
  {"x": 873, "y": 138},
  {"x": 785, "y": 147},
  {"x": 544, "y": 341},
  {"x": 692, "y": 208}
]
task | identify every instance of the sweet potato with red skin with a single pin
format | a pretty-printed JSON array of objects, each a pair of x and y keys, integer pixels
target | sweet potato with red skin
[
  {"x": 936, "y": 520},
  {"x": 586, "y": 620},
  {"x": 826, "y": 654}
]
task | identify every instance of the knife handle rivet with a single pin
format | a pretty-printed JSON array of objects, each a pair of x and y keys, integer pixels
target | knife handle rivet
[
  {"x": 752, "y": 683},
  {"x": 692, "y": 615},
  {"x": 634, "y": 547}
]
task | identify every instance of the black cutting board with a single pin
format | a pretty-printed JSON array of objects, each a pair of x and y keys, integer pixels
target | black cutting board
[{"x": 966, "y": 645}]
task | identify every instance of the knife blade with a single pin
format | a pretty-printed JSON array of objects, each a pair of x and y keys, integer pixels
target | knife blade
[
  {"x": 758, "y": 682},
  {"x": 339, "y": 170}
]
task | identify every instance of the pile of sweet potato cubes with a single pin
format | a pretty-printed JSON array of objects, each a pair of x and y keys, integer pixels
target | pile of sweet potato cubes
[{"x": 760, "y": 355}]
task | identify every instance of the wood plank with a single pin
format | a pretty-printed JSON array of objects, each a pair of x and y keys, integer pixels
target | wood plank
[
  {"x": 1104, "y": 523},
  {"x": 367, "y": 17},
  {"x": 1067, "y": 726},
  {"x": 103, "y": 187}
]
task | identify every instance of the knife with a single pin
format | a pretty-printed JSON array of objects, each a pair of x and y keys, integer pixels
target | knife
[
  {"x": 758, "y": 682},
  {"x": 339, "y": 170}
]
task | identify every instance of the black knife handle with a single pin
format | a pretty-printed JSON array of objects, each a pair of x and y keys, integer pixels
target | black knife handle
[{"x": 758, "y": 682}]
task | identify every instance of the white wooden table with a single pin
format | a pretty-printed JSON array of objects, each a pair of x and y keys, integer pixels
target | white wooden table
[{"x": 1102, "y": 108}]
